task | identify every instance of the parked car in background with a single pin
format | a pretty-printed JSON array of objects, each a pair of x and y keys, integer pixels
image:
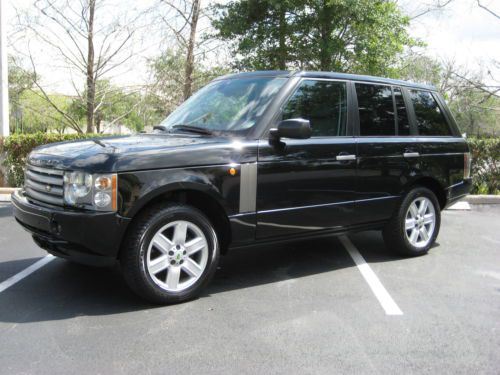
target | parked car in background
[{"x": 251, "y": 158}]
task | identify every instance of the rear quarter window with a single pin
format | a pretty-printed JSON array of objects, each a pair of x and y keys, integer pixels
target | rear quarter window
[{"x": 429, "y": 116}]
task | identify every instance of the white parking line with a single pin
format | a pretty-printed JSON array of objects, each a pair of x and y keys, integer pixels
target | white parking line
[
  {"x": 27, "y": 271},
  {"x": 383, "y": 296}
]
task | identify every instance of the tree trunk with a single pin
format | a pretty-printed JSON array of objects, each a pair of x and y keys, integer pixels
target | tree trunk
[
  {"x": 98, "y": 120},
  {"x": 325, "y": 18},
  {"x": 189, "y": 67},
  {"x": 90, "y": 69},
  {"x": 282, "y": 55}
]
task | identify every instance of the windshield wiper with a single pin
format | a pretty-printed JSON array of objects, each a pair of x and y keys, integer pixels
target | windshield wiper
[{"x": 193, "y": 129}]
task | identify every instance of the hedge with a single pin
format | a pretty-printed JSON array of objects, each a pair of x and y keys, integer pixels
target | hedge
[
  {"x": 16, "y": 148},
  {"x": 485, "y": 157},
  {"x": 485, "y": 171}
]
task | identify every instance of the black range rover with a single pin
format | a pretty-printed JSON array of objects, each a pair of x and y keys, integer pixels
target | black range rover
[{"x": 251, "y": 158}]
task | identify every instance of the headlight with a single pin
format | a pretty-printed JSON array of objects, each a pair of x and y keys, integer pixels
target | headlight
[
  {"x": 76, "y": 185},
  {"x": 84, "y": 190}
]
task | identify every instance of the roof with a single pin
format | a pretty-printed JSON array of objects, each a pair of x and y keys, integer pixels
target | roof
[{"x": 331, "y": 75}]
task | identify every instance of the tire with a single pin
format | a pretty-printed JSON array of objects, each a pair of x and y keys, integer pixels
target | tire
[
  {"x": 406, "y": 232},
  {"x": 170, "y": 254}
]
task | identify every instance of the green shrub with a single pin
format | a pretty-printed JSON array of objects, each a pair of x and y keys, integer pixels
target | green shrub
[
  {"x": 17, "y": 147},
  {"x": 485, "y": 165}
]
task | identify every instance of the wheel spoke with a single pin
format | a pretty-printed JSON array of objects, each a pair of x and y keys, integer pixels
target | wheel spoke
[
  {"x": 162, "y": 243},
  {"x": 414, "y": 236},
  {"x": 173, "y": 276},
  {"x": 180, "y": 232},
  {"x": 158, "y": 264},
  {"x": 177, "y": 255},
  {"x": 429, "y": 219},
  {"x": 192, "y": 268},
  {"x": 424, "y": 234},
  {"x": 195, "y": 245},
  {"x": 413, "y": 210},
  {"x": 409, "y": 224},
  {"x": 423, "y": 207}
]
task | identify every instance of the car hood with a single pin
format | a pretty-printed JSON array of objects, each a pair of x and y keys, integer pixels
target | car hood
[{"x": 136, "y": 152}]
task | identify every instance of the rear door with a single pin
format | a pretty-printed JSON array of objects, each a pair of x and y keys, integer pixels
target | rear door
[
  {"x": 441, "y": 146},
  {"x": 309, "y": 185},
  {"x": 387, "y": 151}
]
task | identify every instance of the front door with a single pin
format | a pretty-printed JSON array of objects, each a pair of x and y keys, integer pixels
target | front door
[{"x": 309, "y": 185}]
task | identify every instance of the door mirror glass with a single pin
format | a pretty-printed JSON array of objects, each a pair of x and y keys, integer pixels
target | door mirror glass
[{"x": 296, "y": 128}]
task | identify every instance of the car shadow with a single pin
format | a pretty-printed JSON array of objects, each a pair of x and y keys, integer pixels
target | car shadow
[
  {"x": 372, "y": 247},
  {"x": 63, "y": 290}
]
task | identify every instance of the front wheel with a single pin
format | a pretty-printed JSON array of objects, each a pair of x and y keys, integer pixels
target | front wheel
[
  {"x": 170, "y": 254},
  {"x": 415, "y": 226}
]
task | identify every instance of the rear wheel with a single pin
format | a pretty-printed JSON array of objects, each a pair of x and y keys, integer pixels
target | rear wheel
[
  {"x": 170, "y": 254},
  {"x": 415, "y": 226}
]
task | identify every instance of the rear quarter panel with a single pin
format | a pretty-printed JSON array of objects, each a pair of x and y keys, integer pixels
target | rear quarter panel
[{"x": 442, "y": 158}]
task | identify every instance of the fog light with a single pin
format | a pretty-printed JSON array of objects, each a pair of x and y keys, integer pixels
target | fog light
[{"x": 102, "y": 199}]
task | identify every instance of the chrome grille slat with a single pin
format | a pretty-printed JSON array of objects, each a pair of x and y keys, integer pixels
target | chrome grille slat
[
  {"x": 48, "y": 171},
  {"x": 44, "y": 185},
  {"x": 57, "y": 191},
  {"x": 43, "y": 197},
  {"x": 41, "y": 178}
]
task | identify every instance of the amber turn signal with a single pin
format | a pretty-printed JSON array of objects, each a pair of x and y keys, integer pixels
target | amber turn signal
[{"x": 113, "y": 192}]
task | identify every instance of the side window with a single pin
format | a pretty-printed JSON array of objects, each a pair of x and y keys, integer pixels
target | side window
[
  {"x": 402, "y": 115},
  {"x": 376, "y": 109},
  {"x": 430, "y": 119},
  {"x": 323, "y": 103}
]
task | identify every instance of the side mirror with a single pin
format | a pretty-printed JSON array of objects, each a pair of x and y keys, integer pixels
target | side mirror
[{"x": 297, "y": 128}]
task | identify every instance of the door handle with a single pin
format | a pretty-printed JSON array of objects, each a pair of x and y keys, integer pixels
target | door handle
[
  {"x": 411, "y": 154},
  {"x": 344, "y": 157}
]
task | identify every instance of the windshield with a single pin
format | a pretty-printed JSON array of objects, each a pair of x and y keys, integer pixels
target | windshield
[{"x": 229, "y": 105}]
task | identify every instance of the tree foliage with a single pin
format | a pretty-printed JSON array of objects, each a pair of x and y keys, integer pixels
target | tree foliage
[
  {"x": 362, "y": 36},
  {"x": 168, "y": 76},
  {"x": 476, "y": 110},
  {"x": 113, "y": 105}
]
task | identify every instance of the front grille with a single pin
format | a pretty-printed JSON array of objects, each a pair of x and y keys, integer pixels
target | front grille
[{"x": 44, "y": 185}]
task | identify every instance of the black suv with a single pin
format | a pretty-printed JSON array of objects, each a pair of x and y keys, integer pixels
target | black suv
[{"x": 251, "y": 158}]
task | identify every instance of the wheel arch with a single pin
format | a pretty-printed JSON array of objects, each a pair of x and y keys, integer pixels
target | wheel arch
[
  {"x": 193, "y": 194},
  {"x": 433, "y": 185}
]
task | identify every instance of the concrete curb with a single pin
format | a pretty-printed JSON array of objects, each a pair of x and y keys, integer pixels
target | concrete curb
[
  {"x": 7, "y": 190},
  {"x": 482, "y": 199}
]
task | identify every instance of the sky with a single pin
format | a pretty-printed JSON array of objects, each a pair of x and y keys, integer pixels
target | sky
[{"x": 462, "y": 32}]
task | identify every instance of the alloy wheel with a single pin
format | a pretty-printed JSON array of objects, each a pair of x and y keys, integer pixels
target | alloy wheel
[
  {"x": 177, "y": 255},
  {"x": 420, "y": 222}
]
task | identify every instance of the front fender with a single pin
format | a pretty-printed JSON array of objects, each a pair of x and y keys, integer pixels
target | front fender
[{"x": 136, "y": 189}]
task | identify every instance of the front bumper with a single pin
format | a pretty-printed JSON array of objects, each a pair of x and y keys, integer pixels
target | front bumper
[{"x": 86, "y": 237}]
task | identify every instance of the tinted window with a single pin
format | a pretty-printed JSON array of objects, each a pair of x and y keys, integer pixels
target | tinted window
[
  {"x": 430, "y": 119},
  {"x": 376, "y": 109},
  {"x": 402, "y": 116},
  {"x": 323, "y": 103}
]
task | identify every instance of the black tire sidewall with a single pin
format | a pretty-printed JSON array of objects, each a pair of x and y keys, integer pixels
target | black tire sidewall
[{"x": 158, "y": 221}]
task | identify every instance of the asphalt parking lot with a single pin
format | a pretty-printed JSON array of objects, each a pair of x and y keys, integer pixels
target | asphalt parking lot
[{"x": 303, "y": 308}]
